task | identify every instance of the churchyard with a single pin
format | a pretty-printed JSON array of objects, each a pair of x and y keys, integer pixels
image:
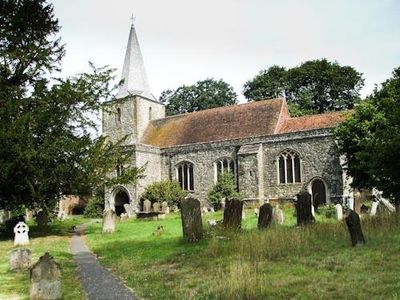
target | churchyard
[{"x": 280, "y": 261}]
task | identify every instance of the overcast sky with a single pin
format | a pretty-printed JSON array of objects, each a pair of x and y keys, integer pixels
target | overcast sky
[{"x": 184, "y": 41}]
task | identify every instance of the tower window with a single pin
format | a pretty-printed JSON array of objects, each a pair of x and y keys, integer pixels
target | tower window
[
  {"x": 289, "y": 167},
  {"x": 118, "y": 115},
  {"x": 150, "y": 116}
]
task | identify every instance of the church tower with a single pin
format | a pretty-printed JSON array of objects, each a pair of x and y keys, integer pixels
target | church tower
[{"x": 134, "y": 106}]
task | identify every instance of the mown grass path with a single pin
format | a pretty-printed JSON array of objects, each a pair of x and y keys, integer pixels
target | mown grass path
[{"x": 98, "y": 282}]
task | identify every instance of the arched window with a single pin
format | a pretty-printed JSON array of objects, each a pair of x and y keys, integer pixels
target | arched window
[
  {"x": 150, "y": 113},
  {"x": 289, "y": 167},
  {"x": 118, "y": 115},
  {"x": 120, "y": 170},
  {"x": 224, "y": 165},
  {"x": 185, "y": 175}
]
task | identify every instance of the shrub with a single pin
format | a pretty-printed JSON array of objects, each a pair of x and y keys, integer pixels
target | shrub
[
  {"x": 224, "y": 188},
  {"x": 94, "y": 208},
  {"x": 167, "y": 190}
]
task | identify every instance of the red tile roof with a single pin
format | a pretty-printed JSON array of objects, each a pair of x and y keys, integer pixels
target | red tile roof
[{"x": 247, "y": 120}]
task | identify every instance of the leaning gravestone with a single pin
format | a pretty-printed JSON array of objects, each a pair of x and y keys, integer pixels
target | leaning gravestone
[
  {"x": 192, "y": 225},
  {"x": 46, "y": 279},
  {"x": 233, "y": 213},
  {"x": 303, "y": 209},
  {"x": 21, "y": 234},
  {"x": 42, "y": 218},
  {"x": 20, "y": 259},
  {"x": 277, "y": 215},
  {"x": 265, "y": 216},
  {"x": 374, "y": 208},
  {"x": 354, "y": 226},
  {"x": 129, "y": 210},
  {"x": 146, "y": 206},
  {"x": 109, "y": 218},
  {"x": 339, "y": 212},
  {"x": 156, "y": 207}
]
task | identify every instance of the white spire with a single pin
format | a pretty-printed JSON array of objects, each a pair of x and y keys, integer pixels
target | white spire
[{"x": 133, "y": 72}]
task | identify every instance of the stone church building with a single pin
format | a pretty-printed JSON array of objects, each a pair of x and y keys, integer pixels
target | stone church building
[{"x": 272, "y": 155}]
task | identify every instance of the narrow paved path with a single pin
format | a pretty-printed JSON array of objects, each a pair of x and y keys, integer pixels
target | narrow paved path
[{"x": 98, "y": 282}]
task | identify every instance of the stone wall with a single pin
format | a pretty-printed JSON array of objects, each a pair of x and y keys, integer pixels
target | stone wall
[{"x": 147, "y": 110}]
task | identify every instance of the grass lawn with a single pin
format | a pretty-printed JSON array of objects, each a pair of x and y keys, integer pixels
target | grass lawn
[
  {"x": 55, "y": 240},
  {"x": 281, "y": 262}
]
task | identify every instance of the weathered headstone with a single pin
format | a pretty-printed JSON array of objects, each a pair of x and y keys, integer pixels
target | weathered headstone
[
  {"x": 389, "y": 206},
  {"x": 374, "y": 208},
  {"x": 129, "y": 210},
  {"x": 233, "y": 213},
  {"x": 21, "y": 234},
  {"x": 109, "y": 218},
  {"x": 124, "y": 217},
  {"x": 354, "y": 226},
  {"x": 265, "y": 216},
  {"x": 28, "y": 215},
  {"x": 165, "y": 207},
  {"x": 3, "y": 216},
  {"x": 191, "y": 220},
  {"x": 303, "y": 209},
  {"x": 277, "y": 215},
  {"x": 357, "y": 201},
  {"x": 339, "y": 212},
  {"x": 146, "y": 206},
  {"x": 20, "y": 259},
  {"x": 42, "y": 218},
  {"x": 243, "y": 215},
  {"x": 156, "y": 207},
  {"x": 45, "y": 279}
]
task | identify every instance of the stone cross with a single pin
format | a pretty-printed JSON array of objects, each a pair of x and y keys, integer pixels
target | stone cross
[
  {"x": 354, "y": 226},
  {"x": 265, "y": 216},
  {"x": 339, "y": 212},
  {"x": 277, "y": 215},
  {"x": 20, "y": 259},
  {"x": 233, "y": 213},
  {"x": 303, "y": 209},
  {"x": 192, "y": 224},
  {"x": 109, "y": 218},
  {"x": 45, "y": 279},
  {"x": 21, "y": 234}
]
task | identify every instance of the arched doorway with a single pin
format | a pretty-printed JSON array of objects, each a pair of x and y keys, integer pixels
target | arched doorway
[
  {"x": 318, "y": 191},
  {"x": 121, "y": 198}
]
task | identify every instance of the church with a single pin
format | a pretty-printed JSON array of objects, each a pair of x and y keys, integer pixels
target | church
[{"x": 272, "y": 155}]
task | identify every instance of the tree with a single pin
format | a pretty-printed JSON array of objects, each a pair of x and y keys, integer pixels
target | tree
[
  {"x": 313, "y": 87},
  {"x": 46, "y": 146},
  {"x": 167, "y": 190},
  {"x": 370, "y": 140},
  {"x": 204, "y": 94}
]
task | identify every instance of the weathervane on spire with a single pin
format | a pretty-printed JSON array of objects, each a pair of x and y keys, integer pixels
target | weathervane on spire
[{"x": 132, "y": 19}]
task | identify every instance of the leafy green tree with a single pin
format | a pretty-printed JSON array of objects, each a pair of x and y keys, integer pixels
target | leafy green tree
[
  {"x": 204, "y": 94},
  {"x": 167, "y": 190},
  {"x": 370, "y": 140},
  {"x": 313, "y": 87},
  {"x": 46, "y": 146},
  {"x": 225, "y": 188}
]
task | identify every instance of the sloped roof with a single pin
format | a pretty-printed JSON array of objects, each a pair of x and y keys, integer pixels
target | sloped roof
[
  {"x": 241, "y": 121},
  {"x": 217, "y": 124},
  {"x": 312, "y": 122}
]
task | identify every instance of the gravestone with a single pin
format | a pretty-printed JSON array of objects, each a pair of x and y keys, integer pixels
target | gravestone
[
  {"x": 192, "y": 225},
  {"x": 357, "y": 202},
  {"x": 265, "y": 216},
  {"x": 277, "y": 215},
  {"x": 389, "y": 206},
  {"x": 156, "y": 207},
  {"x": 21, "y": 234},
  {"x": 45, "y": 279},
  {"x": 28, "y": 215},
  {"x": 109, "y": 218},
  {"x": 374, "y": 208},
  {"x": 243, "y": 215},
  {"x": 20, "y": 259},
  {"x": 233, "y": 213},
  {"x": 354, "y": 226},
  {"x": 339, "y": 212},
  {"x": 146, "y": 206},
  {"x": 129, "y": 210},
  {"x": 303, "y": 209},
  {"x": 204, "y": 210},
  {"x": 165, "y": 207},
  {"x": 124, "y": 217},
  {"x": 42, "y": 218}
]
